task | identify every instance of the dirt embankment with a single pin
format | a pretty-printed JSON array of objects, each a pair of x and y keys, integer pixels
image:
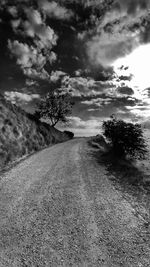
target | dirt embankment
[{"x": 21, "y": 134}]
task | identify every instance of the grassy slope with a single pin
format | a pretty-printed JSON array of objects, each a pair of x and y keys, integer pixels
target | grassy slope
[{"x": 21, "y": 134}]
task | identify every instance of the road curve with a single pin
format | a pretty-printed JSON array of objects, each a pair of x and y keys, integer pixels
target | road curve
[{"x": 58, "y": 208}]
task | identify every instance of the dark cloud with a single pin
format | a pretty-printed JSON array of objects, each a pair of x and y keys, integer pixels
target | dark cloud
[
  {"x": 124, "y": 68},
  {"x": 132, "y": 6},
  {"x": 125, "y": 78},
  {"x": 98, "y": 74},
  {"x": 145, "y": 33},
  {"x": 147, "y": 91},
  {"x": 126, "y": 90}
]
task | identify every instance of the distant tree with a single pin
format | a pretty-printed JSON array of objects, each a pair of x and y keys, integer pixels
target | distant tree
[
  {"x": 55, "y": 107},
  {"x": 126, "y": 139}
]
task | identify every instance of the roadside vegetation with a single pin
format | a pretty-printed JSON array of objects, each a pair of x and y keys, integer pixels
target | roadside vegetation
[
  {"x": 125, "y": 139},
  {"x": 121, "y": 139},
  {"x": 22, "y": 134},
  {"x": 125, "y": 156},
  {"x": 124, "y": 150}
]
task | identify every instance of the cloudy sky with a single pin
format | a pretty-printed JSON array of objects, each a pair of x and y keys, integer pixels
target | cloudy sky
[{"x": 98, "y": 50}]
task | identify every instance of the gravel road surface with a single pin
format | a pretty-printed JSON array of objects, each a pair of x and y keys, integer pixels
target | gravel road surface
[{"x": 59, "y": 208}]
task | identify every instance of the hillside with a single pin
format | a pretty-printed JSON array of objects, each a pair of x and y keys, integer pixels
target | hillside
[{"x": 21, "y": 134}]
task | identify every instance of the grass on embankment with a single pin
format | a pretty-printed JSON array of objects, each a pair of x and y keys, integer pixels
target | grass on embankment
[{"x": 21, "y": 134}]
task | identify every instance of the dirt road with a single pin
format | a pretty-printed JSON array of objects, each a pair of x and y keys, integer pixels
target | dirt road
[{"x": 58, "y": 208}]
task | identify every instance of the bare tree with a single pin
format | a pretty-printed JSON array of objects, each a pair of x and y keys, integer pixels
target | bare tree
[{"x": 55, "y": 107}]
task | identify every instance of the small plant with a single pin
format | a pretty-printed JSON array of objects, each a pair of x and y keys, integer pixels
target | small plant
[{"x": 126, "y": 139}]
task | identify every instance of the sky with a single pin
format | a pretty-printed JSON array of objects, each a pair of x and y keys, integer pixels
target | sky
[{"x": 97, "y": 50}]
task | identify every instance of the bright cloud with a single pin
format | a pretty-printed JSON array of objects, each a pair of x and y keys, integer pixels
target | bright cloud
[
  {"x": 32, "y": 58},
  {"x": 37, "y": 74},
  {"x": 56, "y": 75},
  {"x": 84, "y": 128},
  {"x": 138, "y": 65},
  {"x": 34, "y": 26},
  {"x": 30, "y": 82},
  {"x": 79, "y": 123},
  {"x": 13, "y": 11},
  {"x": 80, "y": 86},
  {"x": 97, "y": 102},
  {"x": 133, "y": 6},
  {"x": 54, "y": 10},
  {"x": 27, "y": 56},
  {"x": 18, "y": 98},
  {"x": 104, "y": 48},
  {"x": 140, "y": 111}
]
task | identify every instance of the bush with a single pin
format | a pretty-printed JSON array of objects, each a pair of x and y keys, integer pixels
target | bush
[
  {"x": 126, "y": 139},
  {"x": 70, "y": 134}
]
